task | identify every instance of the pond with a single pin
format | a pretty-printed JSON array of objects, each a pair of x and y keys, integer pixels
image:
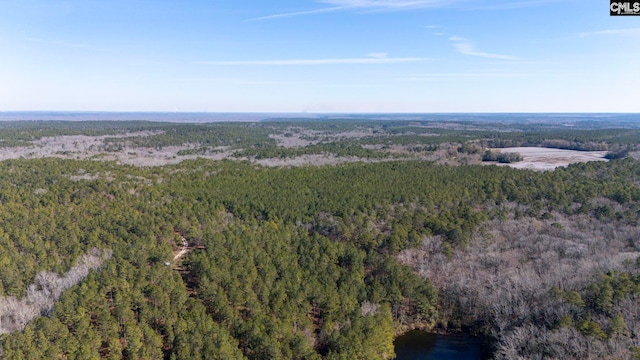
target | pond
[{"x": 420, "y": 345}]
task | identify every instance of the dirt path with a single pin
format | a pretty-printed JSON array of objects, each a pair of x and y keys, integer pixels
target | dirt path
[{"x": 183, "y": 251}]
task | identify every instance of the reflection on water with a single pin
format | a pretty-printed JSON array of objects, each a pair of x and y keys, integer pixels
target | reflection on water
[{"x": 420, "y": 345}]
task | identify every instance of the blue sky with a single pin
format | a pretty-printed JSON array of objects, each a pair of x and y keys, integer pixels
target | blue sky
[{"x": 318, "y": 56}]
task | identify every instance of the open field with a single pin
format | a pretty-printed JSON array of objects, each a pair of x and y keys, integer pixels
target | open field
[{"x": 537, "y": 158}]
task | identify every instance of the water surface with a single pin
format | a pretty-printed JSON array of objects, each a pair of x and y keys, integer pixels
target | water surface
[{"x": 420, "y": 345}]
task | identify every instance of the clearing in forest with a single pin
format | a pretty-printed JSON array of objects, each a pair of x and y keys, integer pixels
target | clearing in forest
[{"x": 539, "y": 158}]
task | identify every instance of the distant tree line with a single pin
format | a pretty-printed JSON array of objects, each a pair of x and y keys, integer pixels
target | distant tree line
[{"x": 501, "y": 157}]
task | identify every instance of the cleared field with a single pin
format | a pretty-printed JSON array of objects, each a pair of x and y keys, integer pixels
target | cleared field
[{"x": 537, "y": 158}]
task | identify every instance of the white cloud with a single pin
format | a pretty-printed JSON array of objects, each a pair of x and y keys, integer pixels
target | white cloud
[
  {"x": 460, "y": 75},
  {"x": 299, "y": 13},
  {"x": 466, "y": 47},
  {"x": 375, "y": 58},
  {"x": 387, "y": 4},
  {"x": 510, "y": 4},
  {"x": 239, "y": 81},
  {"x": 266, "y": 82},
  {"x": 628, "y": 31},
  {"x": 340, "y": 5},
  {"x": 396, "y": 5}
]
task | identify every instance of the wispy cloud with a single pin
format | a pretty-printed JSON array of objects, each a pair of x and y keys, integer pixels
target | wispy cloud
[
  {"x": 387, "y": 4},
  {"x": 510, "y": 4},
  {"x": 373, "y": 5},
  {"x": 628, "y": 31},
  {"x": 267, "y": 82},
  {"x": 466, "y": 47},
  {"x": 238, "y": 81},
  {"x": 527, "y": 63},
  {"x": 299, "y": 13},
  {"x": 209, "y": 79},
  {"x": 459, "y": 75},
  {"x": 398, "y": 5},
  {"x": 373, "y": 59}
]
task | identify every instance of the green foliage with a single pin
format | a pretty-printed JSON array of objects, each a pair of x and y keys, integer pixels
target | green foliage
[
  {"x": 591, "y": 328},
  {"x": 566, "y": 321},
  {"x": 286, "y": 258},
  {"x": 501, "y": 157},
  {"x": 573, "y": 297},
  {"x": 617, "y": 325},
  {"x": 342, "y": 148},
  {"x": 268, "y": 304},
  {"x": 600, "y": 297}
]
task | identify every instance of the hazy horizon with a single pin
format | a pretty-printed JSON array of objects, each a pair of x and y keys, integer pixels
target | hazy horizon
[{"x": 204, "y": 117}]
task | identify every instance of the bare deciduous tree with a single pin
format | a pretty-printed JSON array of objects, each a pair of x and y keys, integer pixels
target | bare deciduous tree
[
  {"x": 46, "y": 289},
  {"x": 501, "y": 283}
]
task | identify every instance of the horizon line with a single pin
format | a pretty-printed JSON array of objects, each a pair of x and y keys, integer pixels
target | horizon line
[{"x": 306, "y": 112}]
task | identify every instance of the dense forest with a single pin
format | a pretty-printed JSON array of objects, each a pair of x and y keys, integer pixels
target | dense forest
[{"x": 316, "y": 262}]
